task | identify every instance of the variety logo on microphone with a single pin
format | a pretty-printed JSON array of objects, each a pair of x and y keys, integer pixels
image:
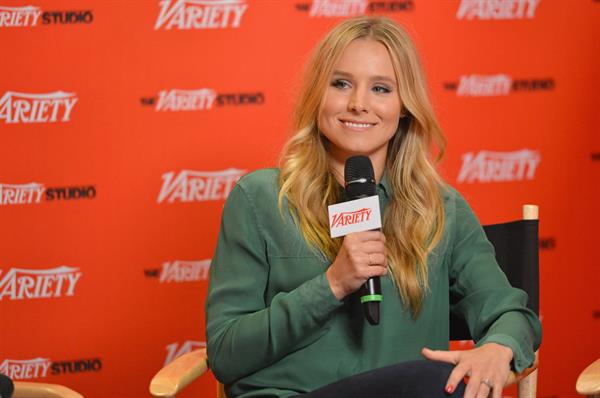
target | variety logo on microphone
[
  {"x": 350, "y": 8},
  {"x": 21, "y": 284},
  {"x": 176, "y": 100},
  {"x": 351, "y": 217},
  {"x": 29, "y": 16},
  {"x": 200, "y": 14},
  {"x": 354, "y": 216},
  {"x": 175, "y": 351},
  {"x": 37, "y": 108},
  {"x": 496, "y": 85},
  {"x": 198, "y": 186},
  {"x": 26, "y": 369},
  {"x": 488, "y": 166},
  {"x": 497, "y": 9},
  {"x": 180, "y": 271},
  {"x": 33, "y": 193}
]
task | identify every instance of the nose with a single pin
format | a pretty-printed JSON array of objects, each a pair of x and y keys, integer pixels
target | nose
[{"x": 358, "y": 101}]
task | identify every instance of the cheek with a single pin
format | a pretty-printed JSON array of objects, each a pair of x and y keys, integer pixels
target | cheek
[
  {"x": 333, "y": 104},
  {"x": 328, "y": 114},
  {"x": 390, "y": 111}
]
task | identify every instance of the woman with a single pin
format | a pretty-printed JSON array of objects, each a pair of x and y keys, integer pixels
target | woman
[{"x": 282, "y": 318}]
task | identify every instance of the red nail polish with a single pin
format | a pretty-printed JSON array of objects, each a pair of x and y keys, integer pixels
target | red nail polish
[{"x": 449, "y": 389}]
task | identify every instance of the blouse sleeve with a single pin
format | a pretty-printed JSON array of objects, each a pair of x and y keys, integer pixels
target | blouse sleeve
[
  {"x": 244, "y": 332},
  {"x": 493, "y": 309}
]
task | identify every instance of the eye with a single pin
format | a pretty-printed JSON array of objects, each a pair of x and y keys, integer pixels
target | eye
[
  {"x": 381, "y": 89},
  {"x": 339, "y": 83}
]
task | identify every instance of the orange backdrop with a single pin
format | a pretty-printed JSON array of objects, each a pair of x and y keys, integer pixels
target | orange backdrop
[{"x": 123, "y": 126}]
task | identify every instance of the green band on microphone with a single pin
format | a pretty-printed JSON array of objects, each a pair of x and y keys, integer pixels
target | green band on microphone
[{"x": 371, "y": 297}]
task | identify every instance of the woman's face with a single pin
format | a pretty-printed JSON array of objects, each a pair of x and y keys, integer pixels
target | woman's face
[{"x": 361, "y": 108}]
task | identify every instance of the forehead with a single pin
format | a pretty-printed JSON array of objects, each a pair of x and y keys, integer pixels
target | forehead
[{"x": 366, "y": 57}]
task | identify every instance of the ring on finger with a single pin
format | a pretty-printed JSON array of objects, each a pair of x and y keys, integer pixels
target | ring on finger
[{"x": 488, "y": 383}]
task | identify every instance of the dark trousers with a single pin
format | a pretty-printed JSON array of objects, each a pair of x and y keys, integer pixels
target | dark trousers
[{"x": 415, "y": 379}]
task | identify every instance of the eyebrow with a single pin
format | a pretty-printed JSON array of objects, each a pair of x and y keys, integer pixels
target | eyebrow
[{"x": 373, "y": 78}]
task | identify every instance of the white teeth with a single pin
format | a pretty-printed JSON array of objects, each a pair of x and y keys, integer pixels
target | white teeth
[{"x": 359, "y": 125}]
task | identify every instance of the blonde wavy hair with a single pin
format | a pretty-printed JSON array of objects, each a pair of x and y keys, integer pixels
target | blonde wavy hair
[{"x": 414, "y": 219}]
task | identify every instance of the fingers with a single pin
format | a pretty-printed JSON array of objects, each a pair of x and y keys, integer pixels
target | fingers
[
  {"x": 368, "y": 236},
  {"x": 439, "y": 355},
  {"x": 483, "y": 391},
  {"x": 366, "y": 252},
  {"x": 483, "y": 387},
  {"x": 372, "y": 246},
  {"x": 498, "y": 390},
  {"x": 473, "y": 387},
  {"x": 377, "y": 259}
]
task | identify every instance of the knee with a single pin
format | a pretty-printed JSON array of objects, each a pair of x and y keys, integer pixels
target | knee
[{"x": 429, "y": 379}]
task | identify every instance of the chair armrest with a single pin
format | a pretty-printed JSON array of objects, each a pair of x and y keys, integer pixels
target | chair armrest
[
  {"x": 588, "y": 382},
  {"x": 514, "y": 377},
  {"x": 25, "y": 389},
  {"x": 174, "y": 377}
]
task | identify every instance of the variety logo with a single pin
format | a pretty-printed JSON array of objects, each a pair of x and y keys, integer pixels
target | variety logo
[
  {"x": 338, "y": 8},
  {"x": 199, "y": 100},
  {"x": 352, "y": 217},
  {"x": 175, "y": 351},
  {"x": 24, "y": 369},
  {"x": 350, "y": 8},
  {"x": 497, "y": 9},
  {"x": 198, "y": 186},
  {"x": 30, "y": 16},
  {"x": 21, "y": 284},
  {"x": 180, "y": 271},
  {"x": 21, "y": 369},
  {"x": 19, "y": 16},
  {"x": 496, "y": 85},
  {"x": 19, "y": 194},
  {"x": 22, "y": 194},
  {"x": 186, "y": 100},
  {"x": 487, "y": 166},
  {"x": 37, "y": 108},
  {"x": 200, "y": 14}
]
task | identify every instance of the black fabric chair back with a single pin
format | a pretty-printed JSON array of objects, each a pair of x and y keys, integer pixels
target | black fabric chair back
[{"x": 516, "y": 245}]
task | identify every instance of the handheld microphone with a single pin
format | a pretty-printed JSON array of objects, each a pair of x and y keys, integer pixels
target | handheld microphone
[{"x": 359, "y": 179}]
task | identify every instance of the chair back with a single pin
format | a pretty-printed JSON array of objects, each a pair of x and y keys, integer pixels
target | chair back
[{"x": 517, "y": 253}]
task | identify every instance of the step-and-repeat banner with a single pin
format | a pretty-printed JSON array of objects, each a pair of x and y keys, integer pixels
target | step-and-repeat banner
[{"x": 125, "y": 124}]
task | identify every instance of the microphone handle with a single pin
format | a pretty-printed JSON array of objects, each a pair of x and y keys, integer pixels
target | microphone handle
[{"x": 370, "y": 297}]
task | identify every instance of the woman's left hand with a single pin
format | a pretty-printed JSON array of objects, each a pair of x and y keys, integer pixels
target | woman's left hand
[{"x": 487, "y": 367}]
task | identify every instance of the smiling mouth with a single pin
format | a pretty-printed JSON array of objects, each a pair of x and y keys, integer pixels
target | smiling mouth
[{"x": 356, "y": 124}]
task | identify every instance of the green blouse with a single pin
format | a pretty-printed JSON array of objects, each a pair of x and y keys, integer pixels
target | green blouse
[{"x": 275, "y": 329}]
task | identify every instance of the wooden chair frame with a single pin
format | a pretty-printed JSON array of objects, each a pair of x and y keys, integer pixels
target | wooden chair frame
[
  {"x": 25, "y": 389},
  {"x": 588, "y": 382}
]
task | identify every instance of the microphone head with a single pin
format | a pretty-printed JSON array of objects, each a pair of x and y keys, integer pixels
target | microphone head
[{"x": 359, "y": 177}]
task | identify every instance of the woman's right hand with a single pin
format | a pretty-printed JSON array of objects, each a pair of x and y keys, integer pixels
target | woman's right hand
[{"x": 361, "y": 257}]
